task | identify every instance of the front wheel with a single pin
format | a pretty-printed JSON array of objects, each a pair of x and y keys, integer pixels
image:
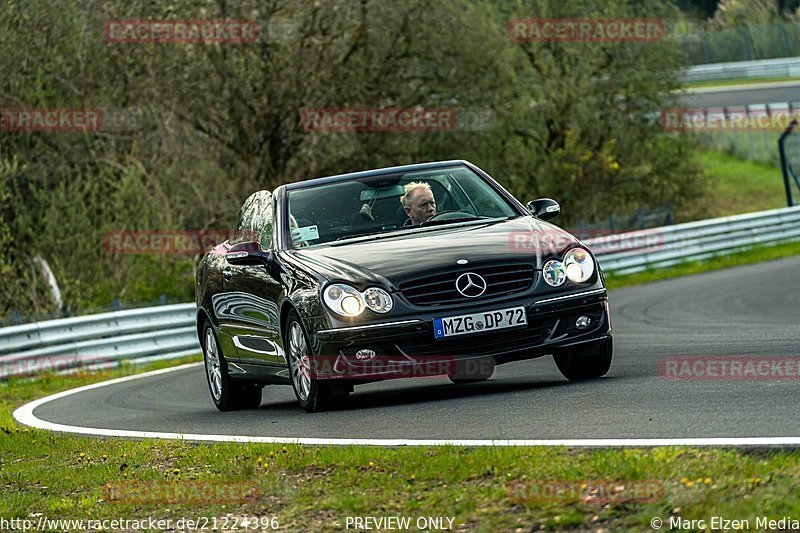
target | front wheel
[
  {"x": 228, "y": 394},
  {"x": 312, "y": 394},
  {"x": 589, "y": 363}
]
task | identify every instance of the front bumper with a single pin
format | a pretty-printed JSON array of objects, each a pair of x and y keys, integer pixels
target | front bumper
[{"x": 408, "y": 348}]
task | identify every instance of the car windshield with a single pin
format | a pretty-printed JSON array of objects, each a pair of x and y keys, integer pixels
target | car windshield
[{"x": 374, "y": 206}]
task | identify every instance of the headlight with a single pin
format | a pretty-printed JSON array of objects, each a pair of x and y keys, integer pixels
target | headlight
[
  {"x": 579, "y": 265},
  {"x": 347, "y": 301},
  {"x": 553, "y": 272},
  {"x": 343, "y": 299},
  {"x": 378, "y": 300}
]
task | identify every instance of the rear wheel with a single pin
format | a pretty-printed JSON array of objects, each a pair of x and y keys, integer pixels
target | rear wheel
[
  {"x": 312, "y": 394},
  {"x": 228, "y": 394},
  {"x": 588, "y": 363}
]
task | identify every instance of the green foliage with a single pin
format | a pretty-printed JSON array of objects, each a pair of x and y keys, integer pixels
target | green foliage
[
  {"x": 581, "y": 120},
  {"x": 214, "y": 122},
  {"x": 733, "y": 13}
]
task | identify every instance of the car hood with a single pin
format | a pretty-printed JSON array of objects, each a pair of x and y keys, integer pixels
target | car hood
[{"x": 391, "y": 261}]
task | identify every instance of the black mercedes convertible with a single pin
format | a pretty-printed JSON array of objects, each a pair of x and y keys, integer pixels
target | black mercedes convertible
[{"x": 412, "y": 271}]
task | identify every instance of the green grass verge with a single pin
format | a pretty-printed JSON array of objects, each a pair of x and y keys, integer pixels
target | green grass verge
[
  {"x": 745, "y": 257},
  {"x": 739, "y": 186},
  {"x": 59, "y": 476},
  {"x": 51, "y": 475},
  {"x": 737, "y": 81}
]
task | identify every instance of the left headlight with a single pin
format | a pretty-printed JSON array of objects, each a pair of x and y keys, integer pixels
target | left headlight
[
  {"x": 347, "y": 301},
  {"x": 579, "y": 265}
]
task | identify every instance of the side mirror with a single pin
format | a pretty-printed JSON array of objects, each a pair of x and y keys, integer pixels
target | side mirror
[
  {"x": 544, "y": 208},
  {"x": 248, "y": 253}
]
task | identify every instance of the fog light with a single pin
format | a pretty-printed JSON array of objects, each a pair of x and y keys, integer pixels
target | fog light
[
  {"x": 365, "y": 354},
  {"x": 583, "y": 322}
]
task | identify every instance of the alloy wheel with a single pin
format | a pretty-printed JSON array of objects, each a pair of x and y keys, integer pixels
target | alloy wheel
[
  {"x": 300, "y": 362},
  {"x": 213, "y": 369}
]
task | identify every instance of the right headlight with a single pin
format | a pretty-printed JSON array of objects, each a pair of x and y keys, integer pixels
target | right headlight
[
  {"x": 343, "y": 299},
  {"x": 579, "y": 265}
]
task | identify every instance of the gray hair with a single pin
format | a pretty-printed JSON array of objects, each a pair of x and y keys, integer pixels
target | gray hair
[{"x": 410, "y": 188}]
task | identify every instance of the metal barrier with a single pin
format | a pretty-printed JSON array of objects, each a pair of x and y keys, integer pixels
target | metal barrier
[
  {"x": 161, "y": 332},
  {"x": 763, "y": 68},
  {"x": 168, "y": 331},
  {"x": 656, "y": 248}
]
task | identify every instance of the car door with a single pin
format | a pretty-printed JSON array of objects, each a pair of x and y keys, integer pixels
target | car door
[{"x": 247, "y": 306}]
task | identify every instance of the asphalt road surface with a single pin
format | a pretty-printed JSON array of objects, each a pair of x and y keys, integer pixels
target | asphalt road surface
[
  {"x": 750, "y": 310},
  {"x": 767, "y": 93}
]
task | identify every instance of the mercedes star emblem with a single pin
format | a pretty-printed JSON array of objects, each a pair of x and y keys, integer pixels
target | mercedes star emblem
[{"x": 470, "y": 285}]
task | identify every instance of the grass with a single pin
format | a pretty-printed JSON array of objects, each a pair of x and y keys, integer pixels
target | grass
[
  {"x": 739, "y": 186},
  {"x": 44, "y": 474},
  {"x": 737, "y": 81}
]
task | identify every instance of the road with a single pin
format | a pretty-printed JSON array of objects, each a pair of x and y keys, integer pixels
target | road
[
  {"x": 750, "y": 310},
  {"x": 765, "y": 93}
]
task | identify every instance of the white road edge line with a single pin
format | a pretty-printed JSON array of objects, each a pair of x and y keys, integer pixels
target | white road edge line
[{"x": 24, "y": 415}]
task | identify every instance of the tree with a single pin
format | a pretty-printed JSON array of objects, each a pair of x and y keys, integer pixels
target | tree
[
  {"x": 214, "y": 122},
  {"x": 580, "y": 111}
]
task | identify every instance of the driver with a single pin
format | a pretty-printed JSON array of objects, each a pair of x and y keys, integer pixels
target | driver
[{"x": 418, "y": 203}]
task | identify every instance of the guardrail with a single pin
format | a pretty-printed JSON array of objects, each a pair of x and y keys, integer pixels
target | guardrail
[
  {"x": 168, "y": 331},
  {"x": 656, "y": 248},
  {"x": 763, "y": 68},
  {"x": 101, "y": 340}
]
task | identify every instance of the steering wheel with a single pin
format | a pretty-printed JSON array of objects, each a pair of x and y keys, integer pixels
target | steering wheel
[{"x": 451, "y": 214}]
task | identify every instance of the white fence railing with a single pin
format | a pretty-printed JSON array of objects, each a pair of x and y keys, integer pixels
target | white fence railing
[
  {"x": 162, "y": 332},
  {"x": 763, "y": 68},
  {"x": 168, "y": 331},
  {"x": 668, "y": 246}
]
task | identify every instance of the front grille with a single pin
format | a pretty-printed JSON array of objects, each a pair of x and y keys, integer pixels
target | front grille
[
  {"x": 441, "y": 289},
  {"x": 499, "y": 342}
]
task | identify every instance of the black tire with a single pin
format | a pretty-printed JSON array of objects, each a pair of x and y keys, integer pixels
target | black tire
[
  {"x": 590, "y": 363},
  {"x": 312, "y": 394},
  {"x": 472, "y": 370},
  {"x": 226, "y": 393}
]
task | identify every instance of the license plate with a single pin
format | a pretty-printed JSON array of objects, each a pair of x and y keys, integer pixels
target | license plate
[{"x": 479, "y": 322}]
